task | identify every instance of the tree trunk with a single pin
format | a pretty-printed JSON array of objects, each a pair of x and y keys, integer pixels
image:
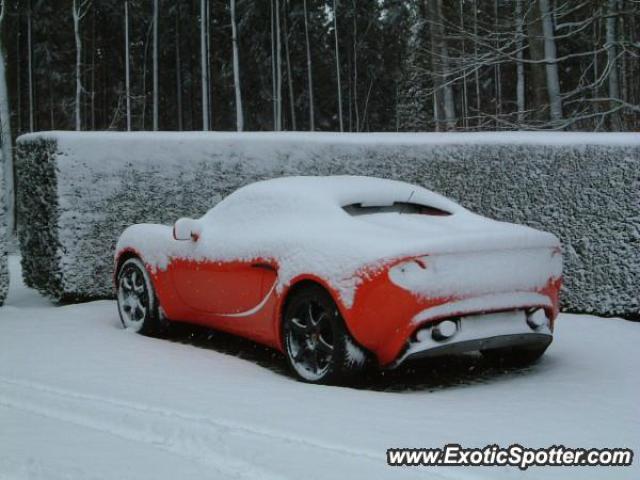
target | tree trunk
[
  {"x": 145, "y": 57},
  {"x": 463, "y": 104},
  {"x": 292, "y": 100},
  {"x": 178, "y": 70},
  {"x": 127, "y": 64},
  {"x": 236, "y": 69},
  {"x": 77, "y": 17},
  {"x": 339, "y": 83},
  {"x": 312, "y": 123},
  {"x": 438, "y": 99},
  {"x": 497, "y": 71},
  {"x": 538, "y": 79},
  {"x": 274, "y": 79},
  {"x": 204, "y": 46},
  {"x": 52, "y": 125},
  {"x": 30, "y": 68},
  {"x": 520, "y": 79},
  {"x": 553, "y": 81},
  {"x": 93, "y": 71},
  {"x": 18, "y": 75},
  {"x": 5, "y": 132},
  {"x": 278, "y": 68},
  {"x": 156, "y": 106},
  {"x": 209, "y": 75},
  {"x": 445, "y": 108},
  {"x": 355, "y": 66},
  {"x": 477, "y": 64},
  {"x": 612, "y": 62},
  {"x": 624, "y": 93}
]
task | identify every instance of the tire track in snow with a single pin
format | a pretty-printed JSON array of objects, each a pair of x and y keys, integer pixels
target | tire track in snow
[
  {"x": 197, "y": 437},
  {"x": 120, "y": 416},
  {"x": 185, "y": 417},
  {"x": 122, "y": 424}
]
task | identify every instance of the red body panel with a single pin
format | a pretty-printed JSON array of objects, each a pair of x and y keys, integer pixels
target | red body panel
[{"x": 242, "y": 298}]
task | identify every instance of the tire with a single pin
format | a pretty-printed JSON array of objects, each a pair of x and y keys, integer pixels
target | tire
[
  {"x": 137, "y": 301},
  {"x": 318, "y": 347},
  {"x": 519, "y": 356}
]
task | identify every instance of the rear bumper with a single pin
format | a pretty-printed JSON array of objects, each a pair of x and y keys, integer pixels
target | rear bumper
[{"x": 477, "y": 332}]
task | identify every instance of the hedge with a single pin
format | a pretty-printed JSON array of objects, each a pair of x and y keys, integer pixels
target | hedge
[{"x": 78, "y": 191}]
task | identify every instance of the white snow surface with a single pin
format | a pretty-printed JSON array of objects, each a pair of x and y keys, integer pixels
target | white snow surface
[
  {"x": 81, "y": 398},
  {"x": 300, "y": 223}
]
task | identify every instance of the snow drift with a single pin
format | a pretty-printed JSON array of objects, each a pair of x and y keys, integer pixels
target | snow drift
[
  {"x": 78, "y": 191},
  {"x": 4, "y": 270}
]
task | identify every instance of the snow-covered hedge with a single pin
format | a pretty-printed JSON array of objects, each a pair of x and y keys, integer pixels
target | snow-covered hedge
[
  {"x": 4, "y": 270},
  {"x": 77, "y": 192}
]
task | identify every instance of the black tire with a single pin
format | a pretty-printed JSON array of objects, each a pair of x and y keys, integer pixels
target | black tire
[
  {"x": 318, "y": 346},
  {"x": 519, "y": 356},
  {"x": 137, "y": 302}
]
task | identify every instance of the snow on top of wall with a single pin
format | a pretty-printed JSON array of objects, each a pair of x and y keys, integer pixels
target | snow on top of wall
[{"x": 365, "y": 139}]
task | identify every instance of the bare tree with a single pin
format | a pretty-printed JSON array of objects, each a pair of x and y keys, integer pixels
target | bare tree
[
  {"x": 274, "y": 80},
  {"x": 5, "y": 128},
  {"x": 18, "y": 77},
  {"x": 178, "y": 70},
  {"x": 497, "y": 74},
  {"x": 127, "y": 63},
  {"x": 204, "y": 53},
  {"x": 444, "y": 107},
  {"x": 551, "y": 61},
  {"x": 80, "y": 9},
  {"x": 538, "y": 78},
  {"x": 355, "y": 65},
  {"x": 337, "y": 50},
  {"x": 476, "y": 61},
  {"x": 156, "y": 106},
  {"x": 612, "y": 60},
  {"x": 520, "y": 79},
  {"x": 464, "y": 96},
  {"x": 30, "y": 67},
  {"x": 278, "y": 66},
  {"x": 236, "y": 68},
  {"x": 292, "y": 100},
  {"x": 312, "y": 122}
]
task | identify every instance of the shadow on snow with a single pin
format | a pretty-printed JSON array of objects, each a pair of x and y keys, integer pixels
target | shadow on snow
[{"x": 420, "y": 375}]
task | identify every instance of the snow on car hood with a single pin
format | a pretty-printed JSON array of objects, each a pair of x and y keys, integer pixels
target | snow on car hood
[{"x": 299, "y": 222}]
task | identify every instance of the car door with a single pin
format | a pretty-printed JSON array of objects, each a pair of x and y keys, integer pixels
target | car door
[{"x": 218, "y": 288}]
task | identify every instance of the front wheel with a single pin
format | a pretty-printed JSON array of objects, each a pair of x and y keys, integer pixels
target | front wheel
[
  {"x": 318, "y": 347},
  {"x": 137, "y": 303}
]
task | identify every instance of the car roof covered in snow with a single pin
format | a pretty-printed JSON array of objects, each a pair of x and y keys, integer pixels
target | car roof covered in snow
[{"x": 326, "y": 195}]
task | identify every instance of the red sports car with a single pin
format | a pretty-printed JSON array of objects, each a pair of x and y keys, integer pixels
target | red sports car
[{"x": 338, "y": 271}]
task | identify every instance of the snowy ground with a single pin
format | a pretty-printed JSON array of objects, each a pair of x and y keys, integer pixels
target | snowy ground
[{"x": 82, "y": 399}]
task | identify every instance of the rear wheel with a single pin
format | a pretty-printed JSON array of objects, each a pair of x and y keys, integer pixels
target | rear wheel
[
  {"x": 137, "y": 303},
  {"x": 318, "y": 347},
  {"x": 518, "y": 356}
]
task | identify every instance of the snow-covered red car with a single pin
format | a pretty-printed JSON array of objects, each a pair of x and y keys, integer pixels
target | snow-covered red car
[{"x": 335, "y": 271}]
